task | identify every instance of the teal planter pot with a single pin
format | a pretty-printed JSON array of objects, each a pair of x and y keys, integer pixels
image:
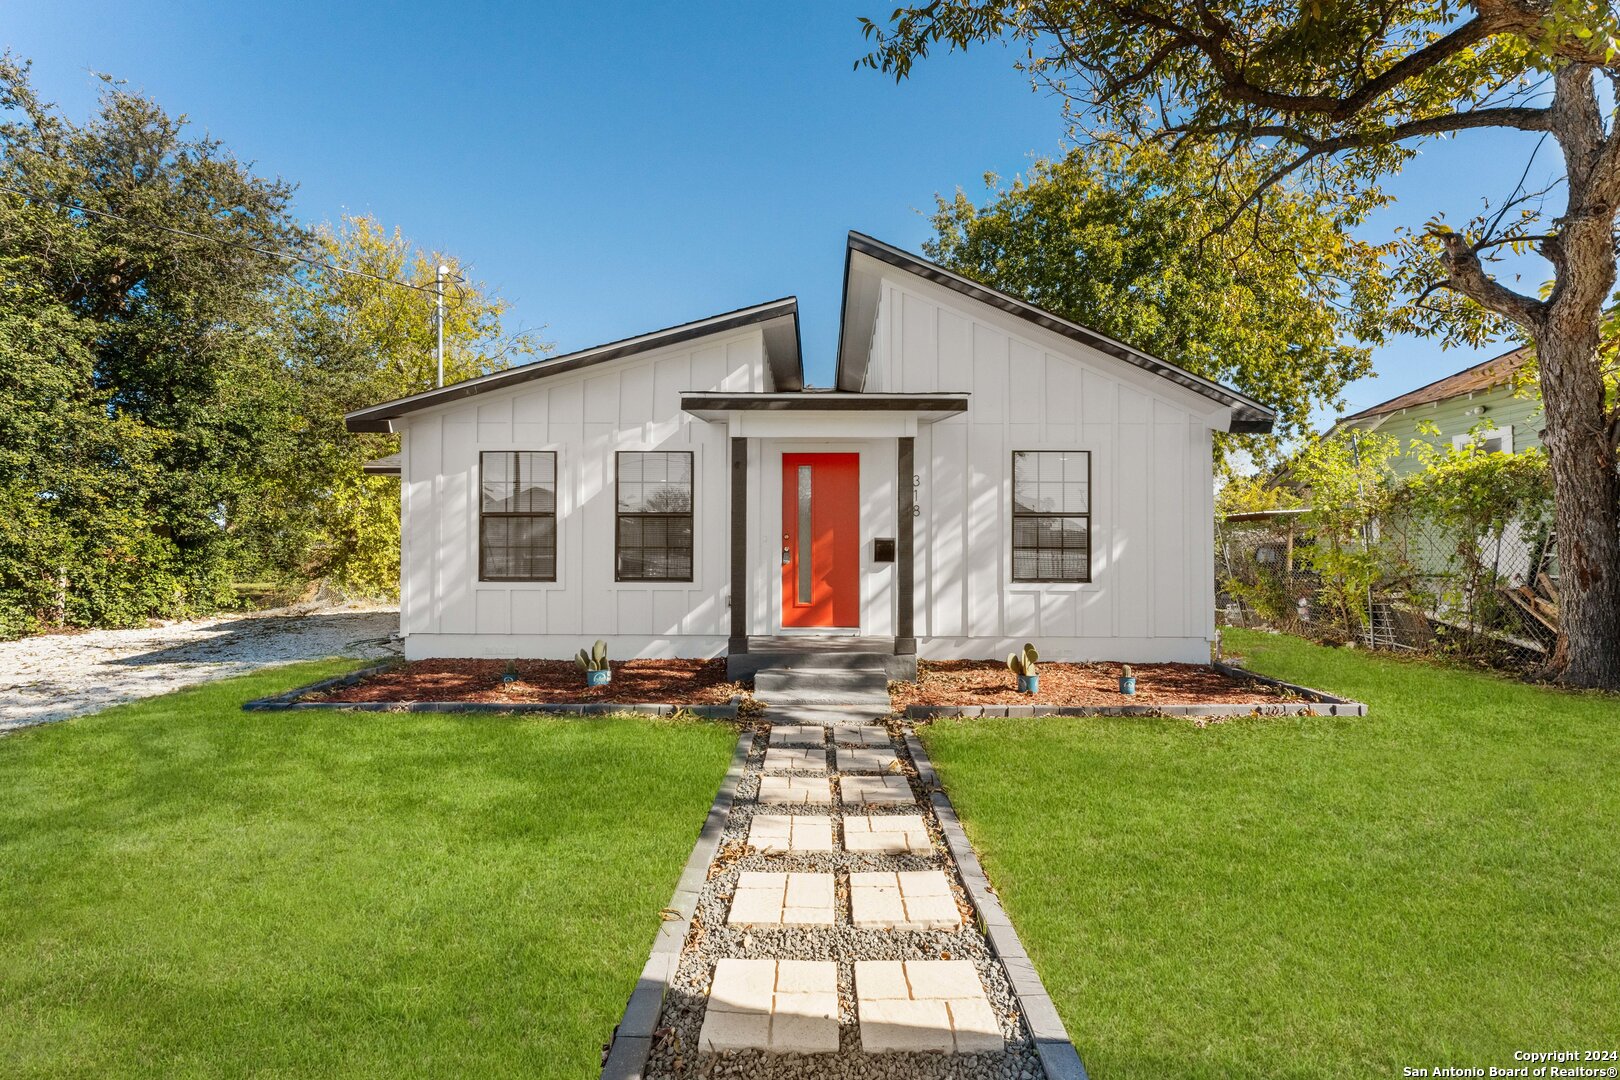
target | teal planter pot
[
  {"x": 1127, "y": 684},
  {"x": 1029, "y": 684},
  {"x": 599, "y": 678}
]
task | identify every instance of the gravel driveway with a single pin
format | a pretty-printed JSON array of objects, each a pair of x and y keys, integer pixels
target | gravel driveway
[{"x": 55, "y": 676}]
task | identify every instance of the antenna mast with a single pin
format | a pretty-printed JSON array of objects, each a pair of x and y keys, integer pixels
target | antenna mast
[{"x": 438, "y": 314}]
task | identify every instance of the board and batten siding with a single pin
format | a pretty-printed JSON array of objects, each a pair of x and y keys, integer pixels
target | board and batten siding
[
  {"x": 584, "y": 417},
  {"x": 1151, "y": 596}
]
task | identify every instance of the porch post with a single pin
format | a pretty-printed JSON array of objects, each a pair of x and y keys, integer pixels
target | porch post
[
  {"x": 739, "y": 547},
  {"x": 905, "y": 640}
]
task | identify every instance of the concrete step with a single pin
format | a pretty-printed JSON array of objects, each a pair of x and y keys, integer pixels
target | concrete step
[
  {"x": 822, "y": 686},
  {"x": 832, "y": 680},
  {"x": 746, "y": 665}
]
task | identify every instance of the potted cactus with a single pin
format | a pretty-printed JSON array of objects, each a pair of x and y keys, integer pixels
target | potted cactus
[
  {"x": 1127, "y": 680},
  {"x": 1022, "y": 664},
  {"x": 595, "y": 664},
  {"x": 510, "y": 675}
]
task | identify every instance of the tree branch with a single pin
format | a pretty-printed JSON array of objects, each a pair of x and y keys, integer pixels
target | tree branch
[{"x": 1467, "y": 275}]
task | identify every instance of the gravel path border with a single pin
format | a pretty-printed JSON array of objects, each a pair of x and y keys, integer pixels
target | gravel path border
[
  {"x": 1059, "y": 1058},
  {"x": 625, "y": 1056},
  {"x": 662, "y": 1043}
]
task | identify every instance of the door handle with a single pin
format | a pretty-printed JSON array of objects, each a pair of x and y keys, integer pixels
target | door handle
[{"x": 787, "y": 552}]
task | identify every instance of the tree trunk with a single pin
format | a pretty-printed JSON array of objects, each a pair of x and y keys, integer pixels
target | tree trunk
[{"x": 1586, "y": 490}]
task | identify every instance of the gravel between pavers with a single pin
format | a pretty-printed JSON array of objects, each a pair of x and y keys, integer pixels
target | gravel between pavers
[{"x": 675, "y": 1054}]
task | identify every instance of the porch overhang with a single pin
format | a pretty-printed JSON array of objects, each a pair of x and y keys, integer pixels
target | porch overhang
[
  {"x": 823, "y": 413},
  {"x": 383, "y": 466}
]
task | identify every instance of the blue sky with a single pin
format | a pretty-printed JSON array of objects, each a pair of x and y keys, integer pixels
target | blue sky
[{"x": 611, "y": 171}]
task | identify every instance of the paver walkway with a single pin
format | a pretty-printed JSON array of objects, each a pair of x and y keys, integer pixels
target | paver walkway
[{"x": 833, "y": 936}]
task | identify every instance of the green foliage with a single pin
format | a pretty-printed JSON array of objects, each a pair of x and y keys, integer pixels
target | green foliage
[
  {"x": 1130, "y": 243},
  {"x": 1333, "y": 98},
  {"x": 133, "y": 359},
  {"x": 1479, "y": 499},
  {"x": 172, "y": 392},
  {"x": 1348, "y": 477},
  {"x": 349, "y": 340},
  {"x": 1254, "y": 493}
]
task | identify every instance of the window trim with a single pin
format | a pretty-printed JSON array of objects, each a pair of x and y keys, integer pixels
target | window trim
[
  {"x": 1479, "y": 438},
  {"x": 1015, "y": 514},
  {"x": 556, "y": 526},
  {"x": 690, "y": 514}
]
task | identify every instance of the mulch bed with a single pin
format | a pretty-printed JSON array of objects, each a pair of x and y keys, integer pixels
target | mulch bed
[
  {"x": 560, "y": 682},
  {"x": 988, "y": 682}
]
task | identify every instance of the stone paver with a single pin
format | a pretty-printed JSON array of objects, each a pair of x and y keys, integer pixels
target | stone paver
[
  {"x": 773, "y": 899},
  {"x": 861, "y": 735},
  {"x": 924, "y": 1005},
  {"x": 886, "y": 834},
  {"x": 889, "y": 789},
  {"x": 798, "y": 735},
  {"x": 795, "y": 789},
  {"x": 865, "y": 760},
  {"x": 909, "y": 900},
  {"x": 785, "y": 1007},
  {"x": 775, "y": 834},
  {"x": 783, "y": 759}
]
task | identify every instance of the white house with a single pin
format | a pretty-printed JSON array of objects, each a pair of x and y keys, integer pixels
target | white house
[{"x": 984, "y": 473}]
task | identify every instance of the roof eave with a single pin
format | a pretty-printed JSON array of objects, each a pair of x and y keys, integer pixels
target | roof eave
[
  {"x": 380, "y": 418},
  {"x": 1247, "y": 411}
]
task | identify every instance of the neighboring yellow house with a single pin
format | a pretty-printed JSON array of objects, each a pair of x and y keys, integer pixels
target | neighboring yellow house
[{"x": 1476, "y": 403}]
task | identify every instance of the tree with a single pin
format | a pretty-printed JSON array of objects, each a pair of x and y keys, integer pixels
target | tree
[
  {"x": 136, "y": 266},
  {"x": 1337, "y": 94},
  {"x": 1125, "y": 240},
  {"x": 350, "y": 338}
]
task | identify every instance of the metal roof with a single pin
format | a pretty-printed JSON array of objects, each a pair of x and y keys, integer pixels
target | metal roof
[
  {"x": 859, "y": 312},
  {"x": 780, "y": 318},
  {"x": 1494, "y": 372}
]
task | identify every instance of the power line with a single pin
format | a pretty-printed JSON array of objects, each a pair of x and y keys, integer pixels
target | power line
[{"x": 291, "y": 256}]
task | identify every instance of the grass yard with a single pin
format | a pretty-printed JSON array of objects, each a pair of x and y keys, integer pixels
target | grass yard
[
  {"x": 1435, "y": 884},
  {"x": 190, "y": 890}
]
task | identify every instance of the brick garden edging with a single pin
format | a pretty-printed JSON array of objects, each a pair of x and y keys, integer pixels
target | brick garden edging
[
  {"x": 1314, "y": 703},
  {"x": 631, "y": 1044},
  {"x": 1059, "y": 1058},
  {"x": 290, "y": 700}
]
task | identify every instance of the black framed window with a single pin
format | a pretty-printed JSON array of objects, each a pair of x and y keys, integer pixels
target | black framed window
[
  {"x": 517, "y": 515},
  {"x": 653, "y": 539},
  {"x": 1051, "y": 515}
]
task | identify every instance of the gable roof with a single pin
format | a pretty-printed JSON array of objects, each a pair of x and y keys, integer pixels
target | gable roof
[
  {"x": 779, "y": 318},
  {"x": 1494, "y": 372},
  {"x": 860, "y": 315}
]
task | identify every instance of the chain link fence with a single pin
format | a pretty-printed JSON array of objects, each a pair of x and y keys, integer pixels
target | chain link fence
[{"x": 1401, "y": 580}]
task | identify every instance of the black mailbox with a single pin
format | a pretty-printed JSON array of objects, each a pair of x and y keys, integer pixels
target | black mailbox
[{"x": 883, "y": 549}]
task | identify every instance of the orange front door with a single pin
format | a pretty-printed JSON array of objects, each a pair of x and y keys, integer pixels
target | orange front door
[{"x": 821, "y": 542}]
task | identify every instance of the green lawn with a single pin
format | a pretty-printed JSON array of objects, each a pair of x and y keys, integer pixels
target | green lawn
[
  {"x": 1437, "y": 883},
  {"x": 190, "y": 890}
]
